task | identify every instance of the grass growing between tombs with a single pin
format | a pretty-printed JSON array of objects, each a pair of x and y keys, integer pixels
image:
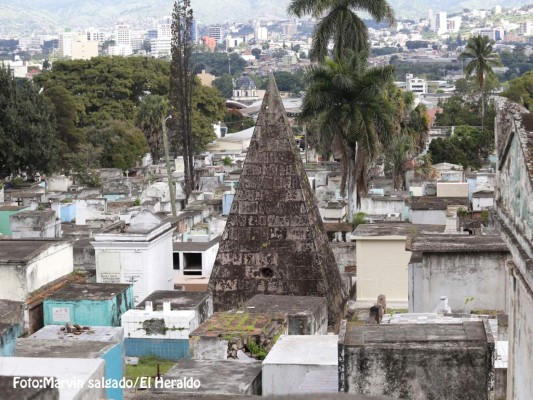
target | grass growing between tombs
[
  {"x": 393, "y": 311},
  {"x": 147, "y": 367}
]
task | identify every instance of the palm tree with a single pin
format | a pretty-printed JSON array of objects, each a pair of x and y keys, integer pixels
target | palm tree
[
  {"x": 339, "y": 21},
  {"x": 482, "y": 59},
  {"x": 151, "y": 110},
  {"x": 348, "y": 105}
]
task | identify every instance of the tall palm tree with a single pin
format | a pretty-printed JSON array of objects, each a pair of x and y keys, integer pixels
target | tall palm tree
[
  {"x": 339, "y": 22},
  {"x": 349, "y": 106},
  {"x": 482, "y": 59}
]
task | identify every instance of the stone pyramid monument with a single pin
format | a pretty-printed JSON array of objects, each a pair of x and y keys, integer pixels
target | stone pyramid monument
[{"x": 274, "y": 241}]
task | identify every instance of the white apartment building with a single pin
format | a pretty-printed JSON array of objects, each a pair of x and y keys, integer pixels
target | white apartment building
[
  {"x": 122, "y": 35},
  {"x": 77, "y": 47},
  {"x": 94, "y": 34},
  {"x": 161, "y": 46},
  {"x": 215, "y": 32},
  {"x": 526, "y": 28},
  {"x": 415, "y": 85},
  {"x": 441, "y": 22}
]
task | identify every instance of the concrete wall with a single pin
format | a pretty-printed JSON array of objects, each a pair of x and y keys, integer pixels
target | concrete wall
[
  {"x": 520, "y": 369},
  {"x": 87, "y": 209},
  {"x": 18, "y": 281},
  {"x": 513, "y": 194},
  {"x": 345, "y": 254},
  {"x": 459, "y": 276},
  {"x": 166, "y": 349},
  {"x": 208, "y": 348},
  {"x": 428, "y": 217},
  {"x": 67, "y": 369},
  {"x": 148, "y": 265},
  {"x": 8, "y": 339},
  {"x": 427, "y": 371},
  {"x": 5, "y": 224},
  {"x": 455, "y": 189},
  {"x": 88, "y": 312},
  {"x": 482, "y": 203},
  {"x": 382, "y": 268},
  {"x": 66, "y": 211},
  {"x": 376, "y": 205},
  {"x": 58, "y": 183},
  {"x": 35, "y": 225}
]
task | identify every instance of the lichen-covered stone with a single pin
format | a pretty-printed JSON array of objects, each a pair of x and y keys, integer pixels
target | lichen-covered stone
[{"x": 275, "y": 242}]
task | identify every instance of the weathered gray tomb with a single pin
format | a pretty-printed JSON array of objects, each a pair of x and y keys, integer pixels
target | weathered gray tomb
[{"x": 274, "y": 241}]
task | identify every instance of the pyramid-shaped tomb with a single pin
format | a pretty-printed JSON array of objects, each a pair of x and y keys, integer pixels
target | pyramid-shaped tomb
[{"x": 274, "y": 241}]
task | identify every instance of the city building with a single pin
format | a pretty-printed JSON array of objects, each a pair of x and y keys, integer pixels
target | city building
[
  {"x": 415, "y": 85},
  {"x": 215, "y": 32},
  {"x": 441, "y": 22},
  {"x": 244, "y": 90}
]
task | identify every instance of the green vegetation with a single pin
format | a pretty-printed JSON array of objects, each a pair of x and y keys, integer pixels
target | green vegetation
[
  {"x": 340, "y": 22},
  {"x": 468, "y": 147},
  {"x": 461, "y": 212},
  {"x": 137, "y": 202},
  {"x": 218, "y": 64},
  {"x": 257, "y": 351},
  {"x": 227, "y": 161},
  {"x": 397, "y": 311},
  {"x": 358, "y": 219},
  {"x": 286, "y": 81},
  {"x": 29, "y": 137},
  {"x": 236, "y": 122},
  {"x": 87, "y": 114},
  {"x": 521, "y": 90},
  {"x": 481, "y": 59},
  {"x": 517, "y": 63},
  {"x": 147, "y": 367},
  {"x": 485, "y": 216}
]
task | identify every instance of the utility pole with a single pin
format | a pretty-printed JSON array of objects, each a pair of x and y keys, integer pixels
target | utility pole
[{"x": 171, "y": 187}]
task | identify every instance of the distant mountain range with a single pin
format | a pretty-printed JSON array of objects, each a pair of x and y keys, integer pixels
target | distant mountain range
[{"x": 55, "y": 14}]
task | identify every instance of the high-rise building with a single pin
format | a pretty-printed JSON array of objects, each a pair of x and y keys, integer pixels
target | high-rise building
[
  {"x": 215, "y": 32},
  {"x": 122, "y": 35},
  {"x": 289, "y": 28},
  {"x": 526, "y": 28},
  {"x": 441, "y": 22},
  {"x": 94, "y": 35},
  {"x": 137, "y": 39},
  {"x": 431, "y": 19},
  {"x": 76, "y": 47},
  {"x": 164, "y": 31}
]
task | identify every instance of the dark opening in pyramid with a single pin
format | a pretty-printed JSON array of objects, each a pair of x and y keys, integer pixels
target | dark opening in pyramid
[{"x": 274, "y": 241}]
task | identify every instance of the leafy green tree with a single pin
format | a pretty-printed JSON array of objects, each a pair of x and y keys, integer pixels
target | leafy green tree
[
  {"x": 278, "y": 54},
  {"x": 482, "y": 58},
  {"x": 218, "y": 63},
  {"x": 108, "y": 87},
  {"x": 257, "y": 53},
  {"x": 468, "y": 146},
  {"x": 224, "y": 84},
  {"x": 208, "y": 108},
  {"x": 122, "y": 145},
  {"x": 28, "y": 135},
  {"x": 521, "y": 90},
  {"x": 338, "y": 21},
  {"x": 151, "y": 112},
  {"x": 66, "y": 110},
  {"x": 236, "y": 122}
]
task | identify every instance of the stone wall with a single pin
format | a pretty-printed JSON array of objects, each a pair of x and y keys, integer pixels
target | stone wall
[
  {"x": 471, "y": 281},
  {"x": 345, "y": 255},
  {"x": 514, "y": 216},
  {"x": 417, "y": 361}
]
